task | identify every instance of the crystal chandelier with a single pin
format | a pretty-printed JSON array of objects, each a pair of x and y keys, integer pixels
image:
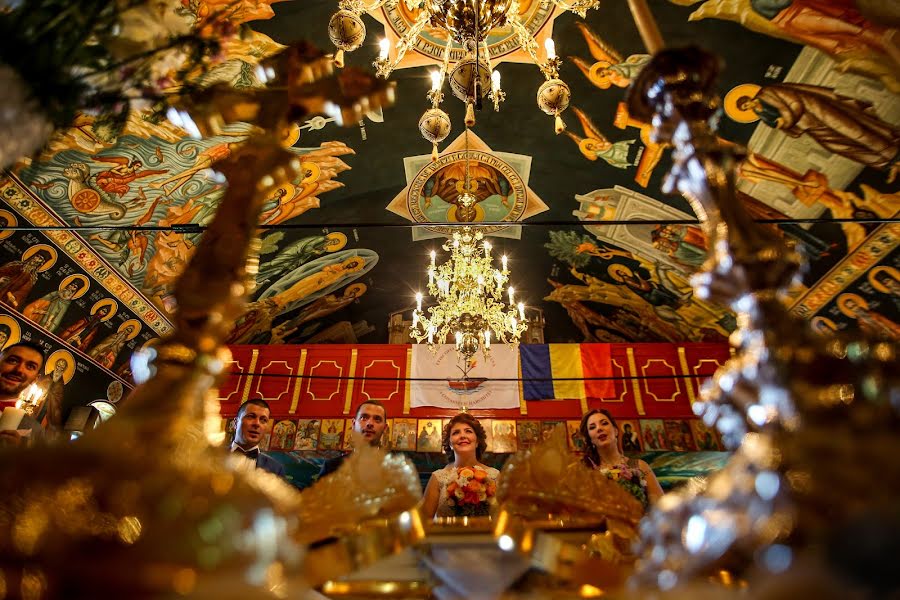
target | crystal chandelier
[
  {"x": 466, "y": 23},
  {"x": 470, "y": 298}
]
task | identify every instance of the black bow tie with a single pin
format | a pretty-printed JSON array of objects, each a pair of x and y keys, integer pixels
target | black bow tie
[{"x": 251, "y": 454}]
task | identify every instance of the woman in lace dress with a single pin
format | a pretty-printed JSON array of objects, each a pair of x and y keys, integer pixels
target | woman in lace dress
[
  {"x": 464, "y": 442},
  {"x": 603, "y": 452}
]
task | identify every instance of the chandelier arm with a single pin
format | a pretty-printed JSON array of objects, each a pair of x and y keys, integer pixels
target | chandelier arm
[{"x": 408, "y": 40}]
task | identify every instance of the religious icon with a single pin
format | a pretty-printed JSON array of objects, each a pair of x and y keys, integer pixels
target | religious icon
[
  {"x": 504, "y": 436},
  {"x": 106, "y": 352},
  {"x": 404, "y": 434},
  {"x": 575, "y": 439},
  {"x": 307, "y": 437},
  {"x": 705, "y": 438},
  {"x": 81, "y": 333},
  {"x": 283, "y": 433},
  {"x": 429, "y": 438},
  {"x": 19, "y": 276},
  {"x": 653, "y": 434},
  {"x": 59, "y": 368},
  {"x": 630, "y": 437},
  {"x": 547, "y": 428},
  {"x": 10, "y": 331},
  {"x": 48, "y": 311},
  {"x": 331, "y": 436},
  {"x": 679, "y": 436},
  {"x": 528, "y": 433}
]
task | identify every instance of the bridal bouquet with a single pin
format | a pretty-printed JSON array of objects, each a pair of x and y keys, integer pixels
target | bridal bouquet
[{"x": 471, "y": 493}]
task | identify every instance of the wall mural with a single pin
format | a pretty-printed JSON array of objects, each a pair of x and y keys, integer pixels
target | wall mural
[{"x": 94, "y": 231}]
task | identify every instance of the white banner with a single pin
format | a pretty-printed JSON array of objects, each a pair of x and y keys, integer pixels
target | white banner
[{"x": 448, "y": 388}]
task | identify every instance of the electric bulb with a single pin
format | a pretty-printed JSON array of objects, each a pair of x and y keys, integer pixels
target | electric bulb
[{"x": 550, "y": 47}]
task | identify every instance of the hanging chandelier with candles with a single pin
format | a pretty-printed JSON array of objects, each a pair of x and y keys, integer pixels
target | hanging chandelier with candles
[
  {"x": 467, "y": 24},
  {"x": 470, "y": 299}
]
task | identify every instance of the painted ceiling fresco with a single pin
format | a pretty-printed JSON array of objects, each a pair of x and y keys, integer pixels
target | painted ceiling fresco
[{"x": 810, "y": 88}]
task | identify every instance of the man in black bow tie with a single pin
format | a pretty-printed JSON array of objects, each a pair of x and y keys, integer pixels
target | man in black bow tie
[{"x": 251, "y": 423}]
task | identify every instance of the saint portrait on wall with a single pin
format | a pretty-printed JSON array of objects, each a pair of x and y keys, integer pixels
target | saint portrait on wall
[
  {"x": 429, "y": 437},
  {"x": 404, "y": 434},
  {"x": 630, "y": 437},
  {"x": 59, "y": 368},
  {"x": 49, "y": 310},
  {"x": 82, "y": 332},
  {"x": 19, "y": 276},
  {"x": 283, "y": 433},
  {"x": 10, "y": 331},
  {"x": 307, "y": 437},
  {"x": 504, "y": 437},
  {"x": 107, "y": 351},
  {"x": 331, "y": 436}
]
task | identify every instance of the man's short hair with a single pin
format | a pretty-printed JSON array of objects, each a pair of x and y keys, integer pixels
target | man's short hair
[
  {"x": 373, "y": 403},
  {"x": 29, "y": 345},
  {"x": 257, "y": 402}
]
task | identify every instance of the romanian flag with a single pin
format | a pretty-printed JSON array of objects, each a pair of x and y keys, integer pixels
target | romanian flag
[{"x": 565, "y": 371}]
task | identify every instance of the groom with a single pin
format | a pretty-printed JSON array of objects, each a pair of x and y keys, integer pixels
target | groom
[
  {"x": 370, "y": 421},
  {"x": 251, "y": 424}
]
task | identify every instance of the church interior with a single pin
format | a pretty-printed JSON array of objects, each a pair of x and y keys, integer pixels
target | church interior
[{"x": 677, "y": 219}]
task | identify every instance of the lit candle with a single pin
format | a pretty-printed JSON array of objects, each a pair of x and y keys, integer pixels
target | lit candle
[
  {"x": 10, "y": 419},
  {"x": 515, "y": 323},
  {"x": 431, "y": 334},
  {"x": 415, "y": 318},
  {"x": 495, "y": 80},
  {"x": 487, "y": 332},
  {"x": 430, "y": 276},
  {"x": 458, "y": 339},
  {"x": 385, "y": 48},
  {"x": 433, "y": 256},
  {"x": 550, "y": 47},
  {"x": 418, "y": 300},
  {"x": 487, "y": 248},
  {"x": 511, "y": 294},
  {"x": 503, "y": 260},
  {"x": 435, "y": 80},
  {"x": 480, "y": 281},
  {"x": 521, "y": 311}
]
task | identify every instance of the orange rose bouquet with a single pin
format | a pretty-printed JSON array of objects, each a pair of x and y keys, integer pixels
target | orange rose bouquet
[{"x": 472, "y": 493}]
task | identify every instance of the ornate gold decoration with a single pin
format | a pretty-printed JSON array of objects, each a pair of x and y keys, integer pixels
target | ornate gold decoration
[
  {"x": 571, "y": 520},
  {"x": 147, "y": 507},
  {"x": 469, "y": 291},
  {"x": 468, "y": 24},
  {"x": 811, "y": 417},
  {"x": 365, "y": 510}
]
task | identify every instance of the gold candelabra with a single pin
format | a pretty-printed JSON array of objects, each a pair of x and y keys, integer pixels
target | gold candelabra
[{"x": 470, "y": 298}]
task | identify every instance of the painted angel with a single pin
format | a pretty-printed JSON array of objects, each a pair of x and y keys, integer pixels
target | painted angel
[{"x": 610, "y": 68}]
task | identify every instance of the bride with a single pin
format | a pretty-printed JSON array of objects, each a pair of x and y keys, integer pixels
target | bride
[{"x": 465, "y": 486}]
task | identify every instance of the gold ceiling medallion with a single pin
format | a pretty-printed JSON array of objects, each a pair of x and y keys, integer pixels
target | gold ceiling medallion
[
  {"x": 498, "y": 185},
  {"x": 457, "y": 37}
]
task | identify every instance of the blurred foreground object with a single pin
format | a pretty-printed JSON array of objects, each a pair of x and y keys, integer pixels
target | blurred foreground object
[
  {"x": 811, "y": 490},
  {"x": 146, "y": 506}
]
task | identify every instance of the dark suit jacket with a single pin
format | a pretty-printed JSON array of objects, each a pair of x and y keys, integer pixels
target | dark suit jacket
[
  {"x": 264, "y": 461},
  {"x": 331, "y": 465}
]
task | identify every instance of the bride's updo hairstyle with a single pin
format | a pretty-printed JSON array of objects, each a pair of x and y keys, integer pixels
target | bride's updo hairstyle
[{"x": 480, "y": 435}]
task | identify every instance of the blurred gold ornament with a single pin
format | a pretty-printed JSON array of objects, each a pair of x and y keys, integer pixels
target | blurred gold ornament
[
  {"x": 815, "y": 420},
  {"x": 574, "y": 522},
  {"x": 145, "y": 506},
  {"x": 364, "y": 511},
  {"x": 299, "y": 81}
]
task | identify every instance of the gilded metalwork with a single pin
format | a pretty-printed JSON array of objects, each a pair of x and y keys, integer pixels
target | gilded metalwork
[{"x": 802, "y": 411}]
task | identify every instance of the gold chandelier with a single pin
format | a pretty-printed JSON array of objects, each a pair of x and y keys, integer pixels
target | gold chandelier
[
  {"x": 470, "y": 298},
  {"x": 468, "y": 24}
]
